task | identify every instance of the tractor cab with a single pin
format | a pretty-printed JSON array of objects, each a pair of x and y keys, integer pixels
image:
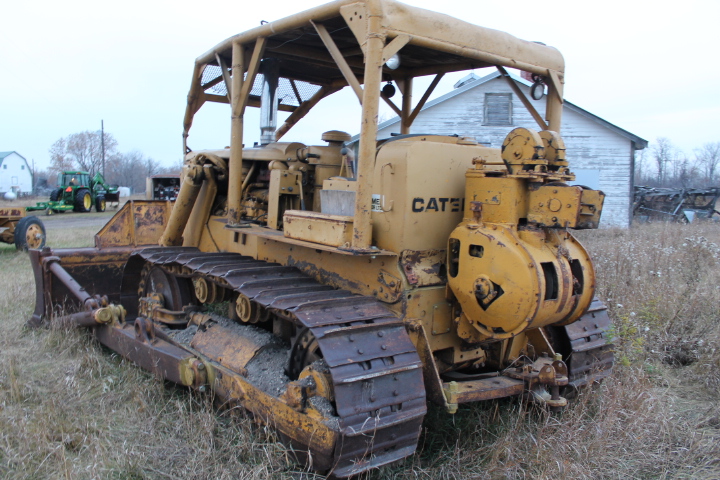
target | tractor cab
[{"x": 73, "y": 179}]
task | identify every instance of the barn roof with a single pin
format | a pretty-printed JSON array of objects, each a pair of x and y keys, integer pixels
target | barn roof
[
  {"x": 469, "y": 83},
  {"x": 3, "y": 155},
  {"x": 6, "y": 154}
]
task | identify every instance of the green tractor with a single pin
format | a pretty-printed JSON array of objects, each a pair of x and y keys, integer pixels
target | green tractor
[{"x": 77, "y": 191}]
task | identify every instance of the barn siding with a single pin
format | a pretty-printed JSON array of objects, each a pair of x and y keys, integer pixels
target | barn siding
[
  {"x": 15, "y": 174},
  {"x": 590, "y": 145}
]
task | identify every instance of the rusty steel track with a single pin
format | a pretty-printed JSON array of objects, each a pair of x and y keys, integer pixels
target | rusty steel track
[
  {"x": 590, "y": 357},
  {"x": 375, "y": 369}
]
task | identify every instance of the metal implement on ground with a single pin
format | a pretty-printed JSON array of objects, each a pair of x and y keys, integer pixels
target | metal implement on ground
[
  {"x": 23, "y": 230},
  {"x": 359, "y": 279},
  {"x": 682, "y": 205},
  {"x": 79, "y": 192}
]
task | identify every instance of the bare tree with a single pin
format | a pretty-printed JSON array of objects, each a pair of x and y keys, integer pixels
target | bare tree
[
  {"x": 81, "y": 151},
  {"x": 174, "y": 169},
  {"x": 131, "y": 169},
  {"x": 687, "y": 173},
  {"x": 708, "y": 156},
  {"x": 664, "y": 155},
  {"x": 640, "y": 167},
  {"x": 59, "y": 160}
]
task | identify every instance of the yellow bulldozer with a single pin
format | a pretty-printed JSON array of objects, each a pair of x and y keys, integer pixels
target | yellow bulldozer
[{"x": 332, "y": 290}]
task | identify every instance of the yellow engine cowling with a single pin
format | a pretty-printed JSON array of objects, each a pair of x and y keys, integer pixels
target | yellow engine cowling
[{"x": 512, "y": 263}]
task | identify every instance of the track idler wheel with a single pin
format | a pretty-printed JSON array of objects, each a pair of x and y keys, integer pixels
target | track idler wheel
[
  {"x": 305, "y": 351},
  {"x": 173, "y": 291},
  {"x": 321, "y": 380},
  {"x": 249, "y": 311},
  {"x": 313, "y": 391},
  {"x": 204, "y": 290},
  {"x": 207, "y": 291}
]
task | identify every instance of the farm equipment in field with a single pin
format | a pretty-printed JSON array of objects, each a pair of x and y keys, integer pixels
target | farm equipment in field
[
  {"x": 435, "y": 269},
  {"x": 25, "y": 231},
  {"x": 79, "y": 192},
  {"x": 682, "y": 205}
]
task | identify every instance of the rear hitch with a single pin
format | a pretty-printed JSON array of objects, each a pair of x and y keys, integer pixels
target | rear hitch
[{"x": 543, "y": 380}]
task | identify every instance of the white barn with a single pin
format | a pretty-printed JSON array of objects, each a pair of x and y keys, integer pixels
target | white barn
[
  {"x": 601, "y": 154},
  {"x": 15, "y": 174}
]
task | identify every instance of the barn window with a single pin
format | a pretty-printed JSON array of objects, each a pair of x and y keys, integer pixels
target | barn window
[
  {"x": 22, "y": 167},
  {"x": 498, "y": 109},
  {"x": 5, "y": 166}
]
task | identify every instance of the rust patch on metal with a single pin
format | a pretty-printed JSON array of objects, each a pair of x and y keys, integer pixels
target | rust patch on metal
[
  {"x": 390, "y": 283},
  {"x": 424, "y": 268},
  {"x": 12, "y": 212},
  {"x": 229, "y": 347},
  {"x": 139, "y": 222}
]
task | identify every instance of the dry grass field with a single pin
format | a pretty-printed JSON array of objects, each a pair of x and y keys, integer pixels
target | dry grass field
[{"x": 74, "y": 410}]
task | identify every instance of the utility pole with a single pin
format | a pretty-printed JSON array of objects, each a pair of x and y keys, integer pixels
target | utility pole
[{"x": 102, "y": 144}]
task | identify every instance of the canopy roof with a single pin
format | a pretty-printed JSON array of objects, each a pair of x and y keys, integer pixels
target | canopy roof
[
  {"x": 324, "y": 49},
  {"x": 437, "y": 43}
]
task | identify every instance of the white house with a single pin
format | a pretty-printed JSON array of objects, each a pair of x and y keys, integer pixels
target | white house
[
  {"x": 601, "y": 154},
  {"x": 15, "y": 174}
]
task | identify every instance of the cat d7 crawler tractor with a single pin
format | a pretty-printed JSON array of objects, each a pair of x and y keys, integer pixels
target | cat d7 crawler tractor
[{"x": 358, "y": 279}]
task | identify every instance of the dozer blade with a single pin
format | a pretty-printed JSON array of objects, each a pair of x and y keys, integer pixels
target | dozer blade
[{"x": 91, "y": 271}]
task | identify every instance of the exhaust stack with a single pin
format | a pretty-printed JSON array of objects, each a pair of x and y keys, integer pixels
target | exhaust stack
[{"x": 269, "y": 100}]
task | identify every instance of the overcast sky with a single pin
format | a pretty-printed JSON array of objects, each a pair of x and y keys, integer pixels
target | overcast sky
[{"x": 649, "y": 67}]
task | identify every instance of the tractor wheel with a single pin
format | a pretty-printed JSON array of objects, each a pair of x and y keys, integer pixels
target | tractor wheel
[
  {"x": 100, "y": 203},
  {"x": 56, "y": 195},
  {"x": 29, "y": 233},
  {"x": 83, "y": 200}
]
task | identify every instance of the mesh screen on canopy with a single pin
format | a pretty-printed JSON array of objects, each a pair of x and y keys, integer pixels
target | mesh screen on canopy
[{"x": 286, "y": 92}]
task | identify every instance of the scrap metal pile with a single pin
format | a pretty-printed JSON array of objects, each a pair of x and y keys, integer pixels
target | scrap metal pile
[{"x": 675, "y": 204}]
